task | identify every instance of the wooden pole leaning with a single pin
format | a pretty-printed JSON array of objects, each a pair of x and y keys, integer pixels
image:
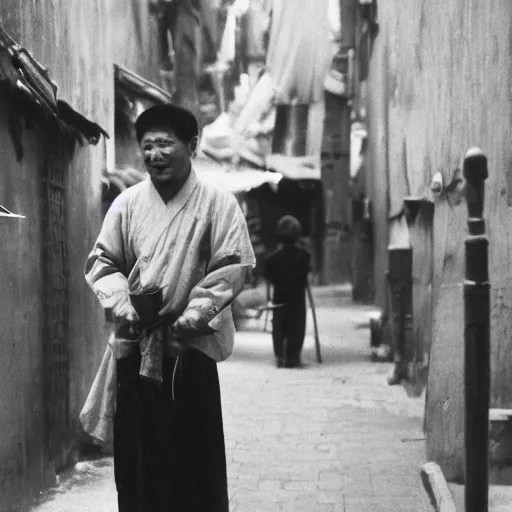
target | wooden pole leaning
[
  {"x": 476, "y": 337},
  {"x": 315, "y": 323}
]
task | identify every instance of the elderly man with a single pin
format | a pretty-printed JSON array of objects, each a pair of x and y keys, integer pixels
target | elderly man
[{"x": 179, "y": 250}]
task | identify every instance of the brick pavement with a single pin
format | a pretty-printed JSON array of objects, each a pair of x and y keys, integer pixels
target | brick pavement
[{"x": 325, "y": 438}]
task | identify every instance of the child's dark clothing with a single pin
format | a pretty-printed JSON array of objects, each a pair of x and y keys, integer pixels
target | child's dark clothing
[{"x": 287, "y": 270}]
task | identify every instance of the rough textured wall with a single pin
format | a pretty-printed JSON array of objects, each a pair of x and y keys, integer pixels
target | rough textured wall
[
  {"x": 22, "y": 428},
  {"x": 78, "y": 42},
  {"x": 449, "y": 85}
]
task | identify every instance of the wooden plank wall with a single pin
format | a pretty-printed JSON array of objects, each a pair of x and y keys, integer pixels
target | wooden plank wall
[
  {"x": 335, "y": 171},
  {"x": 449, "y": 79},
  {"x": 79, "y": 42}
]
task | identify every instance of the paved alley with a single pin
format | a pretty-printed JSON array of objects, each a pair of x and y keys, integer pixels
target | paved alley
[{"x": 325, "y": 438}]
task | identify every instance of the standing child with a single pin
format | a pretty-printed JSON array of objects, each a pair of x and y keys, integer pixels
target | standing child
[{"x": 287, "y": 270}]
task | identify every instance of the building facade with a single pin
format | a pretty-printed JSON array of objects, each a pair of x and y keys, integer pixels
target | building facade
[
  {"x": 439, "y": 83},
  {"x": 52, "y": 331}
]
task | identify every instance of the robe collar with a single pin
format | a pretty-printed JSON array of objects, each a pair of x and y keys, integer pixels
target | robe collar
[{"x": 175, "y": 204}]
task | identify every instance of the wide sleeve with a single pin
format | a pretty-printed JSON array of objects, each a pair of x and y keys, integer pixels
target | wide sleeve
[
  {"x": 230, "y": 239},
  {"x": 106, "y": 266},
  {"x": 231, "y": 261}
]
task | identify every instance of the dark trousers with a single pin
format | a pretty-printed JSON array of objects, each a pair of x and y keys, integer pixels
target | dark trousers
[
  {"x": 169, "y": 454},
  {"x": 288, "y": 331}
]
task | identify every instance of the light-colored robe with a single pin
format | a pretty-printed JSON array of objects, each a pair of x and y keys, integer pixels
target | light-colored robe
[{"x": 196, "y": 248}]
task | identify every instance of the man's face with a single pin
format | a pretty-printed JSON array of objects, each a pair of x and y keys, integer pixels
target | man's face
[{"x": 166, "y": 156}]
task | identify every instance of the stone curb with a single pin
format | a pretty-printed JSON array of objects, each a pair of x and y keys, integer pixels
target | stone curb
[{"x": 436, "y": 487}]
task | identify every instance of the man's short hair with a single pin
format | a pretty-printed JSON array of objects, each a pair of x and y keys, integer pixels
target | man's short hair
[{"x": 180, "y": 120}]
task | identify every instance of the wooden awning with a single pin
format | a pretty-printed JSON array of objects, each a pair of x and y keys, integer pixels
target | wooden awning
[
  {"x": 295, "y": 168},
  {"x": 234, "y": 178},
  {"x": 28, "y": 85},
  {"x": 140, "y": 87},
  {"x": 134, "y": 94}
]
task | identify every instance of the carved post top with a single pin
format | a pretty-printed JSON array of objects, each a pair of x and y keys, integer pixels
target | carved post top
[
  {"x": 475, "y": 166},
  {"x": 476, "y": 172}
]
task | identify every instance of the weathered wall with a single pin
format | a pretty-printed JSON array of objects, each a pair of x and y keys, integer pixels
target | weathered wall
[
  {"x": 22, "y": 427},
  {"x": 449, "y": 81},
  {"x": 78, "y": 42}
]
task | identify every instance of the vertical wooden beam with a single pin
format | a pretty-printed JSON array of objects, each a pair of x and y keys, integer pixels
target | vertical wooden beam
[
  {"x": 348, "y": 15},
  {"x": 164, "y": 14},
  {"x": 184, "y": 21},
  {"x": 419, "y": 216},
  {"x": 476, "y": 338},
  {"x": 335, "y": 171},
  {"x": 242, "y": 64},
  {"x": 362, "y": 251},
  {"x": 400, "y": 281},
  {"x": 336, "y": 157}
]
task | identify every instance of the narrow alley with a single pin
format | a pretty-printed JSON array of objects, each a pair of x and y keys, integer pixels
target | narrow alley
[
  {"x": 190, "y": 169},
  {"x": 329, "y": 438}
]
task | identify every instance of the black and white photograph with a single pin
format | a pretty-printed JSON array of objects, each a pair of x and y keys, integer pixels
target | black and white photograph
[{"x": 256, "y": 255}]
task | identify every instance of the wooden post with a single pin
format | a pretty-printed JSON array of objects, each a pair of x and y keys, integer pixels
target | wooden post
[
  {"x": 476, "y": 338},
  {"x": 335, "y": 159},
  {"x": 361, "y": 252},
  {"x": 315, "y": 323},
  {"x": 335, "y": 171},
  {"x": 184, "y": 22},
  {"x": 400, "y": 282}
]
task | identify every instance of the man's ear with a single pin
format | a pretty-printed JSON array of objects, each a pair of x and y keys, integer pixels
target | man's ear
[{"x": 192, "y": 145}]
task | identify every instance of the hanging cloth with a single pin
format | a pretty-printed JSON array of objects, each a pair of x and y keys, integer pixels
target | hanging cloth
[
  {"x": 228, "y": 43},
  {"x": 299, "y": 50}
]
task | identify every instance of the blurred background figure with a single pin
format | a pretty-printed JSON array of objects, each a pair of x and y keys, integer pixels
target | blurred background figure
[{"x": 287, "y": 270}]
